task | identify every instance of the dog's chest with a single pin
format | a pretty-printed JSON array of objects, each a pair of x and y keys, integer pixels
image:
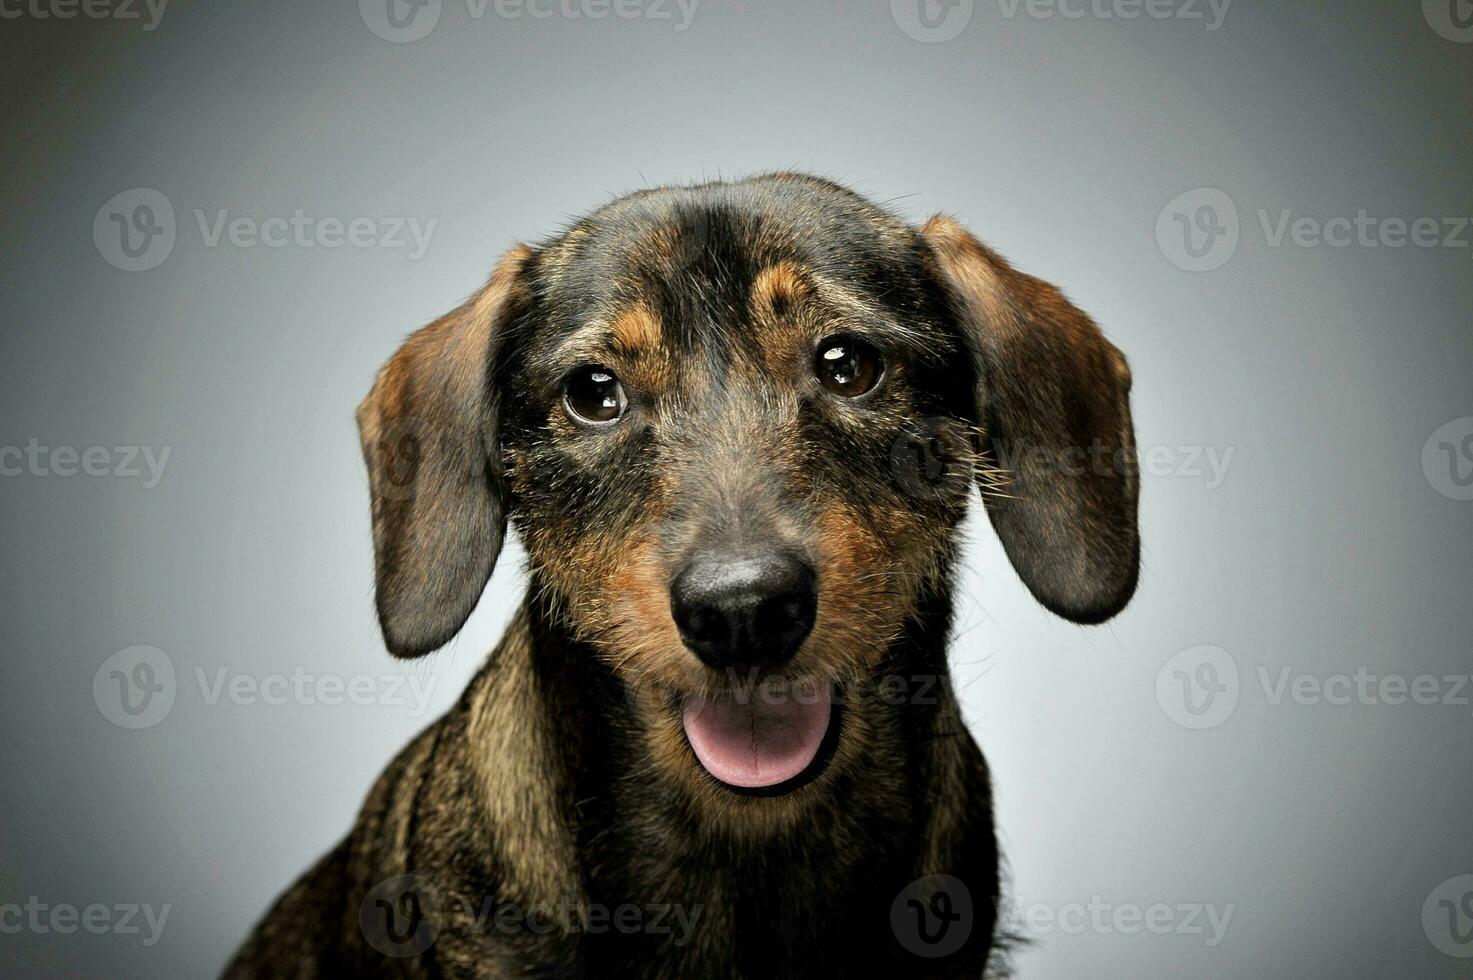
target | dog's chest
[{"x": 807, "y": 904}]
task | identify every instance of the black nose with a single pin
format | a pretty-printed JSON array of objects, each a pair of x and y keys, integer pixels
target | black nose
[{"x": 752, "y": 611}]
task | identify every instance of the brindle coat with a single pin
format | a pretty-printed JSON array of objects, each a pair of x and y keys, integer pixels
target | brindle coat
[{"x": 560, "y": 794}]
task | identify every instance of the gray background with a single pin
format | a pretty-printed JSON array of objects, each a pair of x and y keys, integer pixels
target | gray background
[{"x": 1324, "y": 549}]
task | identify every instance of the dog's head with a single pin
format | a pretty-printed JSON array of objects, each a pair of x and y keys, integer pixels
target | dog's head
[{"x": 736, "y": 426}]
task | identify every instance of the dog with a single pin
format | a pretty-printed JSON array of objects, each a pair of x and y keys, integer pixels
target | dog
[{"x": 736, "y": 426}]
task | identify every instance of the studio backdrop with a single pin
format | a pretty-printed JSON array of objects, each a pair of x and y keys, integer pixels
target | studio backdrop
[{"x": 221, "y": 219}]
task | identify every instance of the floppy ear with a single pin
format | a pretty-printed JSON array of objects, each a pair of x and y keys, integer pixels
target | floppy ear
[
  {"x": 1053, "y": 398},
  {"x": 429, "y": 432}
]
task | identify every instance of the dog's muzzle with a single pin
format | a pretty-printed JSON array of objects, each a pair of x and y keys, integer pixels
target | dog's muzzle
[{"x": 744, "y": 615}]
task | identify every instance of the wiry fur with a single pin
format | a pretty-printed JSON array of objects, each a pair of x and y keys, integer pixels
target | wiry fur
[{"x": 563, "y": 778}]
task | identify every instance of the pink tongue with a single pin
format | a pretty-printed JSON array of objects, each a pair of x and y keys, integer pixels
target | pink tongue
[{"x": 757, "y": 739}]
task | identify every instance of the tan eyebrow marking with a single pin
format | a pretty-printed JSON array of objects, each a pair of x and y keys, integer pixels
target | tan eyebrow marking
[
  {"x": 636, "y": 330},
  {"x": 781, "y": 291},
  {"x": 631, "y": 344},
  {"x": 633, "y": 333},
  {"x": 779, "y": 287}
]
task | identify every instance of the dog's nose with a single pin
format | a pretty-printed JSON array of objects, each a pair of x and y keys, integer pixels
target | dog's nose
[{"x": 752, "y": 611}]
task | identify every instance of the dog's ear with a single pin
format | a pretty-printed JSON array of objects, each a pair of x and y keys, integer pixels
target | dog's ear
[
  {"x": 429, "y": 433},
  {"x": 1053, "y": 398}
]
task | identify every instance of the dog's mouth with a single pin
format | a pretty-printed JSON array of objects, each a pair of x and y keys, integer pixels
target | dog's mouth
[{"x": 760, "y": 741}]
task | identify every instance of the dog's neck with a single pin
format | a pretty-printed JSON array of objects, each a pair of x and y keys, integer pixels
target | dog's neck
[{"x": 582, "y": 816}]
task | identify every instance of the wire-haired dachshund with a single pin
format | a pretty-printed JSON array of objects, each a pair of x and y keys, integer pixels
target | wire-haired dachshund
[{"x": 736, "y": 426}]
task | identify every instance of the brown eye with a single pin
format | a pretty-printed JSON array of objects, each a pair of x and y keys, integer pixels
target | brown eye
[
  {"x": 847, "y": 366},
  {"x": 594, "y": 396}
]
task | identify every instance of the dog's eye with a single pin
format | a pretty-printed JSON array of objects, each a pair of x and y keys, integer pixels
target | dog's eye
[
  {"x": 848, "y": 366},
  {"x": 594, "y": 396}
]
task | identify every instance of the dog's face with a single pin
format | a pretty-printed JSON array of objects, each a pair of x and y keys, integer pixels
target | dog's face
[{"x": 736, "y": 427}]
